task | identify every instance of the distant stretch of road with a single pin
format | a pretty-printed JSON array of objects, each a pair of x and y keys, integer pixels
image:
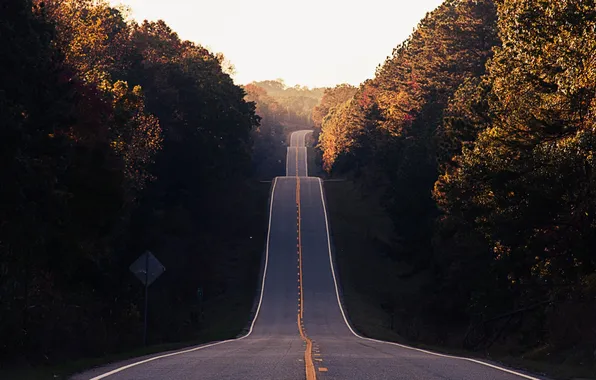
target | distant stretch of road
[
  {"x": 296, "y": 164},
  {"x": 300, "y": 330}
]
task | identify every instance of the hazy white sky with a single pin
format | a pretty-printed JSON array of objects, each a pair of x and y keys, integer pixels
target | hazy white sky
[{"x": 307, "y": 42}]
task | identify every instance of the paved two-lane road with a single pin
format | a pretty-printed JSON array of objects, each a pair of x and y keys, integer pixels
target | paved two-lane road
[
  {"x": 296, "y": 163},
  {"x": 299, "y": 280}
]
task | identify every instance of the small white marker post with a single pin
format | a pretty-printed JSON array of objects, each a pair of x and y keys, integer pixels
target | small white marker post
[{"x": 147, "y": 269}]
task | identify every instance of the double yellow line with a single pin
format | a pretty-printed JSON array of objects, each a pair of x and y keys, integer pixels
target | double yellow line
[{"x": 310, "y": 367}]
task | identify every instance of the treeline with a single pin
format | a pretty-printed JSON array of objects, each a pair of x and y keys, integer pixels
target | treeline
[
  {"x": 282, "y": 109},
  {"x": 115, "y": 138},
  {"x": 270, "y": 136},
  {"x": 329, "y": 107},
  {"x": 293, "y": 105},
  {"x": 480, "y": 129}
]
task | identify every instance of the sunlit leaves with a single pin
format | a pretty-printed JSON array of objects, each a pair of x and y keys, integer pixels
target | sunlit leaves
[
  {"x": 339, "y": 128},
  {"x": 451, "y": 44},
  {"x": 331, "y": 98},
  {"x": 526, "y": 181},
  {"x": 92, "y": 35},
  {"x": 137, "y": 136}
]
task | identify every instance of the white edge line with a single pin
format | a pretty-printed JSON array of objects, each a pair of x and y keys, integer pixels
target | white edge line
[
  {"x": 306, "y": 152},
  {"x": 120, "y": 369},
  {"x": 305, "y": 161},
  {"x": 295, "y": 136},
  {"x": 287, "y": 161},
  {"x": 304, "y": 133},
  {"x": 393, "y": 343}
]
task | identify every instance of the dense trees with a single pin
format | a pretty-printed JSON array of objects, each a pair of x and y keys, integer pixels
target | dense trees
[
  {"x": 486, "y": 162},
  {"x": 115, "y": 138},
  {"x": 295, "y": 104},
  {"x": 523, "y": 183},
  {"x": 388, "y": 126},
  {"x": 332, "y": 97}
]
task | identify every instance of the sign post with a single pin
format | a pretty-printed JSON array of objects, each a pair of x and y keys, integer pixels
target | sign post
[{"x": 147, "y": 269}]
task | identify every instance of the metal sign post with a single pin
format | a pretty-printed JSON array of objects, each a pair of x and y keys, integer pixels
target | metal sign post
[
  {"x": 147, "y": 269},
  {"x": 146, "y": 309}
]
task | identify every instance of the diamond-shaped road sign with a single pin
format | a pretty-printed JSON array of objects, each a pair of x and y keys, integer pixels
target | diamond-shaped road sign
[{"x": 147, "y": 268}]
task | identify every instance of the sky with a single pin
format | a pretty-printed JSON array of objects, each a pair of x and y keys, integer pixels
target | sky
[{"x": 314, "y": 43}]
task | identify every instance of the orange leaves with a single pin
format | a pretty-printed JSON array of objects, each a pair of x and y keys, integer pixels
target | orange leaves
[
  {"x": 254, "y": 92},
  {"x": 94, "y": 39},
  {"x": 331, "y": 98},
  {"x": 397, "y": 110},
  {"x": 136, "y": 135},
  {"x": 339, "y": 130},
  {"x": 367, "y": 97},
  {"x": 92, "y": 36}
]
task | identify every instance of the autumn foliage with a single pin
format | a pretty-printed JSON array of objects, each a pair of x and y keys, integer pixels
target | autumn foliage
[{"x": 480, "y": 131}]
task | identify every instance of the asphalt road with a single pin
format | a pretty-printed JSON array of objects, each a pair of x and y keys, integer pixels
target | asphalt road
[
  {"x": 300, "y": 330},
  {"x": 298, "y": 139},
  {"x": 297, "y": 154}
]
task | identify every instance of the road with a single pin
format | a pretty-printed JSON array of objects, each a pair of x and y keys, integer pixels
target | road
[
  {"x": 297, "y": 154},
  {"x": 300, "y": 331}
]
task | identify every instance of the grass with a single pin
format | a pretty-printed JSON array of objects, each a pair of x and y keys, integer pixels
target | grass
[{"x": 369, "y": 277}]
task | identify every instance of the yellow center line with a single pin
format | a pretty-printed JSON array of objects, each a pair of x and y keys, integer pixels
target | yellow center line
[{"x": 311, "y": 374}]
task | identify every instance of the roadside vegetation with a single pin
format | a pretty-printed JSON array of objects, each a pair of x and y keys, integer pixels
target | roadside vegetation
[
  {"x": 118, "y": 137},
  {"x": 377, "y": 288},
  {"x": 476, "y": 139}
]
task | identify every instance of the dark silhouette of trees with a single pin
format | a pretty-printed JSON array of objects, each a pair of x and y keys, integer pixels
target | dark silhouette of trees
[{"x": 115, "y": 138}]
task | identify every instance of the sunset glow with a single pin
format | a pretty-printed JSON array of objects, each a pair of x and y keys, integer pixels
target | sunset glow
[{"x": 311, "y": 42}]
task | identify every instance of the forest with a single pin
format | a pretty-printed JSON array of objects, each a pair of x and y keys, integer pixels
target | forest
[
  {"x": 119, "y": 137},
  {"x": 478, "y": 132},
  {"x": 294, "y": 105}
]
